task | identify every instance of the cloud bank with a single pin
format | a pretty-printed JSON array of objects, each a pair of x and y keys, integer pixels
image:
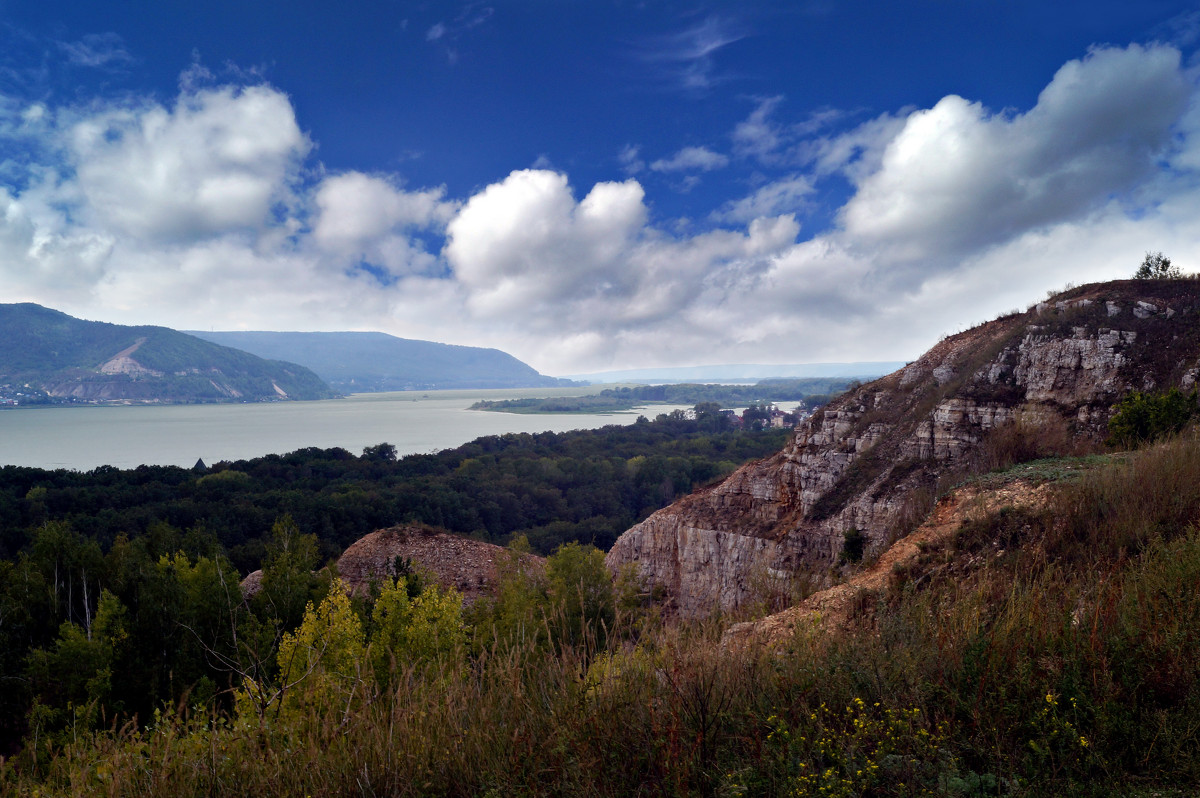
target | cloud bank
[{"x": 212, "y": 212}]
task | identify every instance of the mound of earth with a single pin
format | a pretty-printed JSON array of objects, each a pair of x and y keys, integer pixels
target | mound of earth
[{"x": 469, "y": 566}]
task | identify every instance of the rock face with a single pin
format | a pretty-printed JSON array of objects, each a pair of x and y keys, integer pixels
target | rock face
[
  {"x": 836, "y": 606},
  {"x": 871, "y": 460}
]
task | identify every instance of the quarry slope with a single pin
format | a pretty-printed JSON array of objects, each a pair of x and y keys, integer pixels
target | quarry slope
[
  {"x": 872, "y": 460},
  {"x": 834, "y": 608}
]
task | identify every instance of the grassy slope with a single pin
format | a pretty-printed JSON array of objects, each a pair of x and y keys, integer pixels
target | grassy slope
[{"x": 1050, "y": 652}]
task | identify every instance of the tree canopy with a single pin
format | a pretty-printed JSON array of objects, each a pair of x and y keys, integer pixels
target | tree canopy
[{"x": 1157, "y": 266}]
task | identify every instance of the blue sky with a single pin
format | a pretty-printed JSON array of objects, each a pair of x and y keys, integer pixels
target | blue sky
[{"x": 593, "y": 185}]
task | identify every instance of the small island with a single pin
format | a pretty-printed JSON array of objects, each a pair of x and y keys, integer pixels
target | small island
[{"x": 813, "y": 391}]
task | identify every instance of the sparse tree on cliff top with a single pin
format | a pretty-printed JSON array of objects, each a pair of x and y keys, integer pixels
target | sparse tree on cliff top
[{"x": 1157, "y": 266}]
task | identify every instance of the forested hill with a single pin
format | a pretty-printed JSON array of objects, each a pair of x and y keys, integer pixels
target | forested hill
[
  {"x": 48, "y": 356},
  {"x": 358, "y": 362}
]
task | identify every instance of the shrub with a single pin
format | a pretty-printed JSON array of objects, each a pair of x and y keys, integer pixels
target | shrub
[
  {"x": 1157, "y": 266},
  {"x": 853, "y": 544},
  {"x": 1143, "y": 417}
]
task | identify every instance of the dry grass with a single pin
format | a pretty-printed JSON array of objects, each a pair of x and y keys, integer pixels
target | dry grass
[{"x": 1067, "y": 665}]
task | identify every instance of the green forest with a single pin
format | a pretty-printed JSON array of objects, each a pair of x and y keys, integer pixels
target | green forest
[
  {"x": 44, "y": 348},
  {"x": 586, "y": 486},
  {"x": 151, "y": 557}
]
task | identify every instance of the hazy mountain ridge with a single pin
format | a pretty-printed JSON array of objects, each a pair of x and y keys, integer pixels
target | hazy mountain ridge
[
  {"x": 364, "y": 362},
  {"x": 71, "y": 359}
]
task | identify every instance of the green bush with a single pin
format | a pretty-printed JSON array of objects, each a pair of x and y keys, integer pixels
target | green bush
[
  {"x": 1157, "y": 266},
  {"x": 854, "y": 543},
  {"x": 1143, "y": 417}
]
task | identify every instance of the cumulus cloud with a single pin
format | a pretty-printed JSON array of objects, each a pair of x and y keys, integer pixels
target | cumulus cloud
[
  {"x": 957, "y": 176},
  {"x": 219, "y": 160},
  {"x": 691, "y": 159},
  {"x": 209, "y": 212},
  {"x": 372, "y": 218},
  {"x": 526, "y": 249},
  {"x": 525, "y": 241}
]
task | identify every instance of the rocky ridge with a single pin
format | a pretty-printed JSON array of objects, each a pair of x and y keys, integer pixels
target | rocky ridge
[{"x": 872, "y": 460}]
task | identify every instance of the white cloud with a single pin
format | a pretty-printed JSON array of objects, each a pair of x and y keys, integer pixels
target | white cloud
[
  {"x": 209, "y": 213},
  {"x": 97, "y": 50},
  {"x": 786, "y": 195},
  {"x": 757, "y": 136},
  {"x": 219, "y": 160},
  {"x": 957, "y": 177},
  {"x": 631, "y": 164},
  {"x": 368, "y": 217},
  {"x": 525, "y": 241},
  {"x": 472, "y": 16},
  {"x": 686, "y": 59},
  {"x": 691, "y": 159},
  {"x": 760, "y": 137},
  {"x": 532, "y": 256},
  {"x": 856, "y": 153}
]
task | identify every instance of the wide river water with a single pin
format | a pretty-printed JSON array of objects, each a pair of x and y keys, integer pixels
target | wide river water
[{"x": 83, "y": 438}]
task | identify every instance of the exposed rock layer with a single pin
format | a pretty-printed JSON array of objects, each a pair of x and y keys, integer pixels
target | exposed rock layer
[{"x": 871, "y": 460}]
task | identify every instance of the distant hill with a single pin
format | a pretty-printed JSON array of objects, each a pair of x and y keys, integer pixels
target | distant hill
[
  {"x": 363, "y": 362},
  {"x": 61, "y": 358},
  {"x": 746, "y": 372}
]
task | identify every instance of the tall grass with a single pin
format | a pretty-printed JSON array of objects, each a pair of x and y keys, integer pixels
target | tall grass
[{"x": 1052, "y": 652}]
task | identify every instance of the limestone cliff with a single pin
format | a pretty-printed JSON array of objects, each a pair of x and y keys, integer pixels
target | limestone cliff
[{"x": 871, "y": 460}]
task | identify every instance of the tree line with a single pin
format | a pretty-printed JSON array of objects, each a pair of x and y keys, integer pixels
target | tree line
[
  {"x": 585, "y": 486},
  {"x": 814, "y": 391}
]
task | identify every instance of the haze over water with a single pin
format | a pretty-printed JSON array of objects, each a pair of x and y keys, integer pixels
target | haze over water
[{"x": 83, "y": 438}]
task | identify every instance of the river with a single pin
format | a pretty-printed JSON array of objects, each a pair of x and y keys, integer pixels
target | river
[{"x": 83, "y": 438}]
